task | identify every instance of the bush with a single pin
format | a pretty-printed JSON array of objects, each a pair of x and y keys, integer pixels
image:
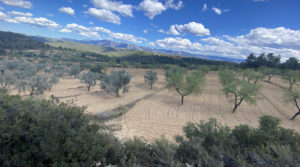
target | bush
[{"x": 38, "y": 133}]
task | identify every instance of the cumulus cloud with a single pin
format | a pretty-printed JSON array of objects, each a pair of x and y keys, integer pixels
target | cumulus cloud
[
  {"x": 191, "y": 28},
  {"x": 260, "y": 40},
  {"x": 67, "y": 10},
  {"x": 104, "y": 15},
  {"x": 40, "y": 21},
  {"x": 217, "y": 10},
  {"x": 279, "y": 37},
  {"x": 172, "y": 5},
  {"x": 94, "y": 33},
  {"x": 155, "y": 7},
  {"x": 16, "y": 13},
  {"x": 152, "y": 8},
  {"x": 173, "y": 30},
  {"x": 5, "y": 17},
  {"x": 18, "y": 3},
  {"x": 127, "y": 37},
  {"x": 65, "y": 30},
  {"x": 116, "y": 6}
]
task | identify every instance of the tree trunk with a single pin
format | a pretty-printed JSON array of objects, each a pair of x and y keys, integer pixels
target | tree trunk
[
  {"x": 182, "y": 99},
  {"x": 237, "y": 104},
  {"x": 298, "y": 113},
  {"x": 269, "y": 80},
  {"x": 151, "y": 85},
  {"x": 88, "y": 87},
  {"x": 117, "y": 93}
]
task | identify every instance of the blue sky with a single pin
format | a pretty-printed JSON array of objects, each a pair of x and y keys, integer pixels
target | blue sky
[{"x": 229, "y": 28}]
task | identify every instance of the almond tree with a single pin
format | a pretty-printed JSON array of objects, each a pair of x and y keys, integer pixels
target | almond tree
[
  {"x": 292, "y": 77},
  {"x": 238, "y": 90},
  {"x": 185, "y": 84},
  {"x": 292, "y": 96}
]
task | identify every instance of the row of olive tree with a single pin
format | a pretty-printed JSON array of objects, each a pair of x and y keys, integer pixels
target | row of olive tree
[{"x": 30, "y": 77}]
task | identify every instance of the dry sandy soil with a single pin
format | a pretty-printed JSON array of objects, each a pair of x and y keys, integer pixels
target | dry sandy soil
[
  {"x": 71, "y": 90},
  {"x": 161, "y": 114}
]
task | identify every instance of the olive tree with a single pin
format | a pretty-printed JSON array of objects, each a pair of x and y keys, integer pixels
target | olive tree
[
  {"x": 7, "y": 78},
  {"x": 292, "y": 96},
  {"x": 116, "y": 81},
  {"x": 51, "y": 81},
  {"x": 89, "y": 78},
  {"x": 150, "y": 77},
  {"x": 35, "y": 85},
  {"x": 185, "y": 84},
  {"x": 292, "y": 77},
  {"x": 238, "y": 90},
  {"x": 74, "y": 70}
]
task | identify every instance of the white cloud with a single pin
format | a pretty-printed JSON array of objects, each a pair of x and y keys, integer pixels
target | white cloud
[
  {"x": 277, "y": 37},
  {"x": 173, "y": 30},
  {"x": 216, "y": 10},
  {"x": 67, "y": 10},
  {"x": 40, "y": 21},
  {"x": 81, "y": 30},
  {"x": 204, "y": 8},
  {"x": 1, "y": 8},
  {"x": 18, "y": 3},
  {"x": 65, "y": 30},
  {"x": 127, "y": 37},
  {"x": 145, "y": 31},
  {"x": 104, "y": 15},
  {"x": 260, "y": 40},
  {"x": 152, "y": 8},
  {"x": 5, "y": 17},
  {"x": 93, "y": 33},
  {"x": 193, "y": 28},
  {"x": 116, "y": 6},
  {"x": 170, "y": 4},
  {"x": 101, "y": 29},
  {"x": 16, "y": 13},
  {"x": 91, "y": 23}
]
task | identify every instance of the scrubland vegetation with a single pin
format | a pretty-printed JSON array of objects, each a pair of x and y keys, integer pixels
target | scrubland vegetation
[{"x": 52, "y": 131}]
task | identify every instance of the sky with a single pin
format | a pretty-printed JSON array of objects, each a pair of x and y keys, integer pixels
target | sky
[{"x": 227, "y": 28}]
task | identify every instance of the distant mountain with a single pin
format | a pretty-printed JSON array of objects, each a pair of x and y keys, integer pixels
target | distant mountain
[{"x": 111, "y": 45}]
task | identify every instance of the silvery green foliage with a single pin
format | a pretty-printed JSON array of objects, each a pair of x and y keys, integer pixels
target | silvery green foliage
[
  {"x": 116, "y": 81},
  {"x": 36, "y": 84},
  {"x": 89, "y": 78},
  {"x": 51, "y": 81},
  {"x": 150, "y": 77},
  {"x": 74, "y": 70},
  {"x": 6, "y": 78}
]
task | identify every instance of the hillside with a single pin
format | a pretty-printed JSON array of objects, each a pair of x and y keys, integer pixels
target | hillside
[
  {"x": 109, "y": 51},
  {"x": 9, "y": 40}
]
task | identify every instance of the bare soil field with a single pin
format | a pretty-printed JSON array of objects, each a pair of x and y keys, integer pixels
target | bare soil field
[
  {"x": 159, "y": 111},
  {"x": 71, "y": 90},
  {"x": 162, "y": 114}
]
